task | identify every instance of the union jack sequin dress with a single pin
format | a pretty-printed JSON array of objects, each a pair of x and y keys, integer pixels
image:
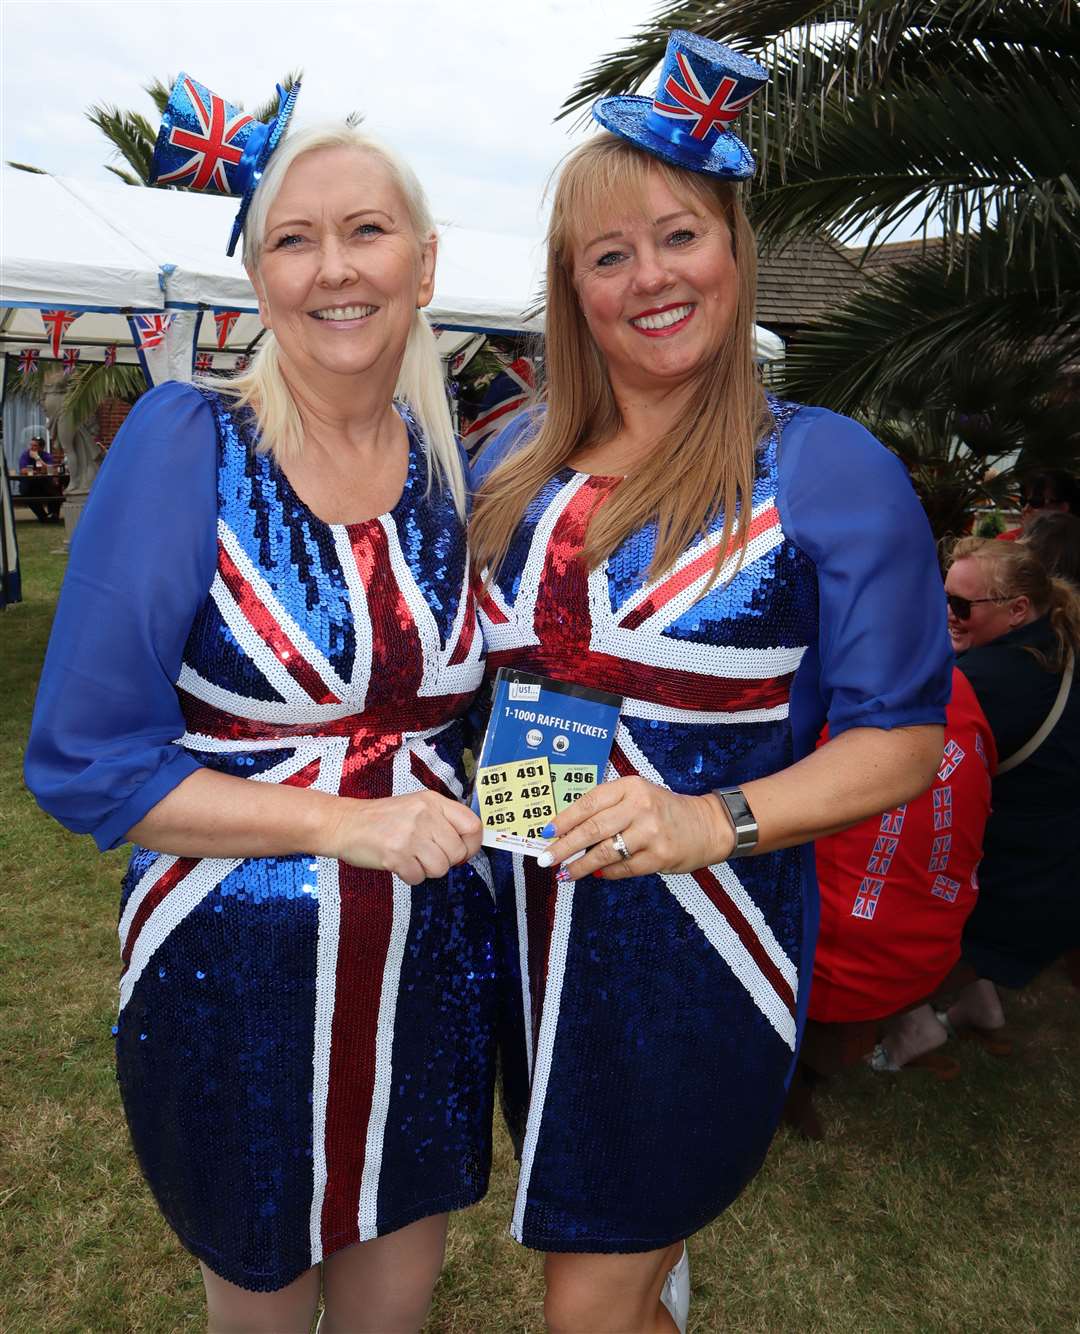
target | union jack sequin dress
[
  {"x": 305, "y": 1049},
  {"x": 654, "y": 1021}
]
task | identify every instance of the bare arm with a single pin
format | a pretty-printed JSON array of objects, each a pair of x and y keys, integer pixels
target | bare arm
[
  {"x": 216, "y": 815},
  {"x": 861, "y": 772}
]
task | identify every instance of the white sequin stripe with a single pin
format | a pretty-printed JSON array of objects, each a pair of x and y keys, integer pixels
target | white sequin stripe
[
  {"x": 423, "y": 617},
  {"x": 297, "y": 761},
  {"x": 723, "y": 871},
  {"x": 262, "y": 590},
  {"x": 708, "y": 543},
  {"x": 519, "y": 630},
  {"x": 148, "y": 880},
  {"x": 304, "y": 710},
  {"x": 256, "y": 649},
  {"x": 429, "y": 756},
  {"x": 178, "y": 904},
  {"x": 670, "y": 612},
  {"x": 482, "y": 867},
  {"x": 325, "y": 986},
  {"x": 545, "y": 1047},
  {"x": 643, "y": 708},
  {"x": 523, "y": 955},
  {"x": 325, "y": 989},
  {"x": 361, "y": 615},
  {"x": 721, "y": 936},
  {"x": 654, "y": 650},
  {"x": 368, "y": 1213}
]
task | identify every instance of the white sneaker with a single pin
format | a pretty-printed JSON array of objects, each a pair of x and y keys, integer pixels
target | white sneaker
[{"x": 675, "y": 1294}]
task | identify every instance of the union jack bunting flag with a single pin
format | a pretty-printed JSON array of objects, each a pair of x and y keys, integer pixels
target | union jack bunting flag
[
  {"x": 204, "y": 362},
  {"x": 224, "y": 320},
  {"x": 57, "y": 323},
  {"x": 151, "y": 330},
  {"x": 509, "y": 392},
  {"x": 690, "y": 100},
  {"x": 242, "y": 362},
  {"x": 110, "y": 355},
  {"x": 214, "y": 145},
  {"x": 71, "y": 359},
  {"x": 28, "y": 360}
]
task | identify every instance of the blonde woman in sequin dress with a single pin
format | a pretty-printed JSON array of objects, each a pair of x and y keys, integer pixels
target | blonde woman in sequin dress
[
  {"x": 262, "y": 657},
  {"x": 739, "y": 569}
]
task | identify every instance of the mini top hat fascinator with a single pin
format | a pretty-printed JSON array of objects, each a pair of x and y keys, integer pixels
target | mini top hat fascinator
[
  {"x": 208, "y": 144},
  {"x": 703, "y": 87}
]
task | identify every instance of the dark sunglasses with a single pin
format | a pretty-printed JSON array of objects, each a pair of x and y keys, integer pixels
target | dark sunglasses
[{"x": 961, "y": 607}]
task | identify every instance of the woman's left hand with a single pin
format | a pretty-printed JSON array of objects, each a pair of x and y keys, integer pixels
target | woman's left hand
[{"x": 661, "y": 831}]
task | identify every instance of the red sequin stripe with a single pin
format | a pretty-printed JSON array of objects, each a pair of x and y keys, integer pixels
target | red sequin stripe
[
  {"x": 720, "y": 899},
  {"x": 271, "y": 633},
  {"x": 695, "y": 569},
  {"x": 541, "y": 892},
  {"x": 181, "y": 868},
  {"x": 365, "y": 924},
  {"x": 396, "y": 652},
  {"x": 418, "y": 715},
  {"x": 468, "y": 630},
  {"x": 491, "y": 608},
  {"x": 659, "y": 685},
  {"x": 427, "y": 776}
]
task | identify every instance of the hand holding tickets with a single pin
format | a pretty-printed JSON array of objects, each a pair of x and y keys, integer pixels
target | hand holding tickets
[{"x": 547, "y": 744}]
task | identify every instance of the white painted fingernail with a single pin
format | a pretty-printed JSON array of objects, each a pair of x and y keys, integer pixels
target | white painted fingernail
[{"x": 544, "y": 860}]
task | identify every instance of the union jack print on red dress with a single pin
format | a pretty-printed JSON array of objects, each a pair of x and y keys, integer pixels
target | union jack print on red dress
[
  {"x": 690, "y": 101},
  {"x": 213, "y": 150}
]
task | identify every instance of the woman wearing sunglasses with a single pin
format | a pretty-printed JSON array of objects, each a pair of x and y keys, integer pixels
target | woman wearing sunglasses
[{"x": 1017, "y": 631}]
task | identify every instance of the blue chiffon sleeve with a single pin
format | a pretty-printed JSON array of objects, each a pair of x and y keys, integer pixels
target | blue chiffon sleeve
[
  {"x": 883, "y": 657},
  {"x": 517, "y": 433},
  {"x": 101, "y": 750}
]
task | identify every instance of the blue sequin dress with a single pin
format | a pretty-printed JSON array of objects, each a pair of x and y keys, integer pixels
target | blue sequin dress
[
  {"x": 305, "y": 1049},
  {"x": 653, "y": 1023}
]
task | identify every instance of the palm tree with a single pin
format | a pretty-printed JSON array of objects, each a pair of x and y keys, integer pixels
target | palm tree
[{"x": 961, "y": 116}]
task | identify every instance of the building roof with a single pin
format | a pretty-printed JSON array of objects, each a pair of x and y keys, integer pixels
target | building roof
[
  {"x": 894, "y": 252},
  {"x": 800, "y": 283}
]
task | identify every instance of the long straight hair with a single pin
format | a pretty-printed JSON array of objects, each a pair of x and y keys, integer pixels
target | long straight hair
[
  {"x": 1012, "y": 570},
  {"x": 704, "y": 465},
  {"x": 420, "y": 381}
]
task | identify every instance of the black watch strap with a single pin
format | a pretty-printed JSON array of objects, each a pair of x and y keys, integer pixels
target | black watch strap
[{"x": 742, "y": 820}]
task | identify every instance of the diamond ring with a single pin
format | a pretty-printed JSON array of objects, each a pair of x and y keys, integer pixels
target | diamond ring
[{"x": 619, "y": 844}]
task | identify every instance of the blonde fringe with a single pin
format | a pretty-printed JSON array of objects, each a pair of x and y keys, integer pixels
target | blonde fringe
[{"x": 705, "y": 464}]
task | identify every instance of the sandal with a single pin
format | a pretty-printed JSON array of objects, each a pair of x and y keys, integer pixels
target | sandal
[{"x": 935, "y": 1062}]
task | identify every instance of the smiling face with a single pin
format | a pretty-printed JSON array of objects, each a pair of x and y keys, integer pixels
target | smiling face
[
  {"x": 340, "y": 272},
  {"x": 658, "y": 288},
  {"x": 968, "y": 578}
]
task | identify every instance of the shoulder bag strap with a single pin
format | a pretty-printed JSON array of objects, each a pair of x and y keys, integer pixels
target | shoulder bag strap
[{"x": 1049, "y": 723}]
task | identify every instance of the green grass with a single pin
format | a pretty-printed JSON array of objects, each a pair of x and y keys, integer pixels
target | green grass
[{"x": 928, "y": 1207}]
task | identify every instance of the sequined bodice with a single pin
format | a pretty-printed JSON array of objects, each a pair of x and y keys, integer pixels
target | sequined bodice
[
  {"x": 330, "y": 646},
  {"x": 702, "y": 662}
]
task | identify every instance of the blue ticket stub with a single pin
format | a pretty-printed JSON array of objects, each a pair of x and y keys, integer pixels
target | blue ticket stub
[{"x": 547, "y": 743}]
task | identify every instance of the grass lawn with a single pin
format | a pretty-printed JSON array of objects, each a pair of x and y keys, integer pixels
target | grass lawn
[{"x": 928, "y": 1207}]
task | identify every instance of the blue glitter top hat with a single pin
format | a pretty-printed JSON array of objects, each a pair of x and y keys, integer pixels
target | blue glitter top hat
[
  {"x": 703, "y": 87},
  {"x": 208, "y": 144}
]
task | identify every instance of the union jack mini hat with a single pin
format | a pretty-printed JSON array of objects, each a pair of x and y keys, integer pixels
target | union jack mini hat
[
  {"x": 703, "y": 87},
  {"x": 208, "y": 144}
]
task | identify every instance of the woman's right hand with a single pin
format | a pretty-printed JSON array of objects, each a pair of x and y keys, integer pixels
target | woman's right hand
[{"x": 418, "y": 837}]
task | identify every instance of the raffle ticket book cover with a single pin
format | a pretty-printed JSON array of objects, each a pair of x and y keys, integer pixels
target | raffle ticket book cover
[{"x": 547, "y": 743}]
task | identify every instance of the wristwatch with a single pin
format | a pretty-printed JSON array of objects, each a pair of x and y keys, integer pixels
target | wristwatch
[{"x": 742, "y": 820}]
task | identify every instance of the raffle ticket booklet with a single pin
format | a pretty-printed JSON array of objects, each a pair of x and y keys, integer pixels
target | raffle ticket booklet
[{"x": 547, "y": 743}]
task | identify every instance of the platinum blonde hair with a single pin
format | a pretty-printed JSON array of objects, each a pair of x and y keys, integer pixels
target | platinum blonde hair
[{"x": 420, "y": 382}]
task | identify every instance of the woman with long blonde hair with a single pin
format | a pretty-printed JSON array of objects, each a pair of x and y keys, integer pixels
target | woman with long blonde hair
[
  {"x": 1016, "y": 629},
  {"x": 738, "y": 569},
  {"x": 261, "y": 662}
]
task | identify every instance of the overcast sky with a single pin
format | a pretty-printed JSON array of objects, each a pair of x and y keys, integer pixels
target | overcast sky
[{"x": 467, "y": 91}]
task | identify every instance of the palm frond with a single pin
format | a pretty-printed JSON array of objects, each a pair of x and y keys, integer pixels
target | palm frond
[
  {"x": 26, "y": 166},
  {"x": 131, "y": 135},
  {"x": 268, "y": 109},
  {"x": 91, "y": 385}
]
